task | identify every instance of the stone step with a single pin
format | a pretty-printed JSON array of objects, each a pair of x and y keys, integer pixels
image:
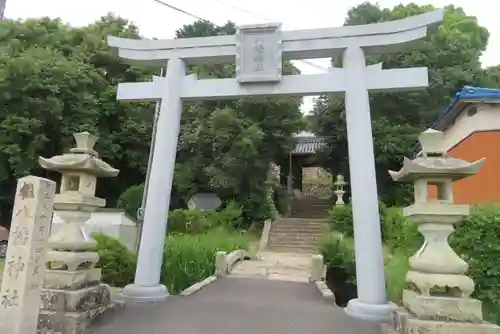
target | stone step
[
  {"x": 312, "y": 206},
  {"x": 293, "y": 248},
  {"x": 312, "y": 220},
  {"x": 298, "y": 232},
  {"x": 300, "y": 222},
  {"x": 285, "y": 239},
  {"x": 308, "y": 215},
  {"x": 289, "y": 241},
  {"x": 291, "y": 238},
  {"x": 307, "y": 227}
]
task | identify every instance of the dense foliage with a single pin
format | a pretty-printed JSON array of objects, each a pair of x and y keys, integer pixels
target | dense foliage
[
  {"x": 56, "y": 80},
  {"x": 452, "y": 55},
  {"x": 476, "y": 240}
]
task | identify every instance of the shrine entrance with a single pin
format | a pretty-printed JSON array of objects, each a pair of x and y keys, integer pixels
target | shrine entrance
[{"x": 258, "y": 52}]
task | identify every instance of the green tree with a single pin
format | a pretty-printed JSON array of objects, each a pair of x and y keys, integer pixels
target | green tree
[
  {"x": 492, "y": 77},
  {"x": 56, "y": 80},
  {"x": 452, "y": 57}
]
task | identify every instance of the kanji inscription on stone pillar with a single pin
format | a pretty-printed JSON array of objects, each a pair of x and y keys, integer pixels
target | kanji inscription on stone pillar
[
  {"x": 258, "y": 58},
  {"x": 25, "y": 259}
]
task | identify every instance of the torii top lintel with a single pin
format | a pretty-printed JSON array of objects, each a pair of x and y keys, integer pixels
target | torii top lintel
[{"x": 385, "y": 37}]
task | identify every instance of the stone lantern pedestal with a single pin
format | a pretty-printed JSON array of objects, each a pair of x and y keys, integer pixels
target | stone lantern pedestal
[
  {"x": 437, "y": 299},
  {"x": 72, "y": 291}
]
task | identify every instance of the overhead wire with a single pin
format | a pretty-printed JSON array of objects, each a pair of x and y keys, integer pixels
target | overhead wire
[{"x": 185, "y": 12}]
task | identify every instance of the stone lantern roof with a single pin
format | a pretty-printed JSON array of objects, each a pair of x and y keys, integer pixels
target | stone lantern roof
[
  {"x": 82, "y": 158},
  {"x": 433, "y": 162}
]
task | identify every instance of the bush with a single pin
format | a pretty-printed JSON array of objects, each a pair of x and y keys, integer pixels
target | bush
[
  {"x": 117, "y": 263},
  {"x": 400, "y": 234},
  {"x": 338, "y": 251},
  {"x": 477, "y": 241},
  {"x": 195, "y": 221},
  {"x": 282, "y": 199},
  {"x": 131, "y": 199},
  {"x": 340, "y": 218},
  {"x": 192, "y": 221},
  {"x": 187, "y": 259},
  {"x": 230, "y": 217}
]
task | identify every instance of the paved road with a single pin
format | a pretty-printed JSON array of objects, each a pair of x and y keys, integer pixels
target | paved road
[{"x": 239, "y": 306}]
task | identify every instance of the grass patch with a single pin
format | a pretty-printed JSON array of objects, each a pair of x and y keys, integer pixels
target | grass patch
[{"x": 395, "y": 272}]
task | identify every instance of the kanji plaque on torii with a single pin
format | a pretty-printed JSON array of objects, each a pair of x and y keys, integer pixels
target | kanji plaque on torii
[
  {"x": 258, "y": 57},
  {"x": 258, "y": 52}
]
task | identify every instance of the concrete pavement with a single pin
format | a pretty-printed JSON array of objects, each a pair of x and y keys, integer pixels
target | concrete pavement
[{"x": 235, "y": 305}]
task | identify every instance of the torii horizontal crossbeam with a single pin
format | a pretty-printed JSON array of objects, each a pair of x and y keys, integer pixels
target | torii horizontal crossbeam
[
  {"x": 298, "y": 85},
  {"x": 383, "y": 37}
]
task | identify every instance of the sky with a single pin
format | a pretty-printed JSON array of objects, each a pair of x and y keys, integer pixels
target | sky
[{"x": 156, "y": 20}]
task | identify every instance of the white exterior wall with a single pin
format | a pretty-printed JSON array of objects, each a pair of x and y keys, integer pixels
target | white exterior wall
[
  {"x": 487, "y": 118},
  {"x": 115, "y": 224}
]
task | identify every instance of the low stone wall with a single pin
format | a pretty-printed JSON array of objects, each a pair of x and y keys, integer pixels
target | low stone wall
[
  {"x": 264, "y": 238},
  {"x": 318, "y": 275}
]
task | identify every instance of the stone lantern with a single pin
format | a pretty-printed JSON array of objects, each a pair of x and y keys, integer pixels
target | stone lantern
[
  {"x": 437, "y": 299},
  {"x": 339, "y": 190},
  {"x": 70, "y": 278}
]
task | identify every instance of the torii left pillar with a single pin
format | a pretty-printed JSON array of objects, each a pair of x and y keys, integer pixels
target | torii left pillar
[{"x": 146, "y": 286}]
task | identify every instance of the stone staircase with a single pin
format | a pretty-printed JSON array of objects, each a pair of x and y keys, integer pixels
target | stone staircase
[
  {"x": 296, "y": 235},
  {"x": 310, "y": 207}
]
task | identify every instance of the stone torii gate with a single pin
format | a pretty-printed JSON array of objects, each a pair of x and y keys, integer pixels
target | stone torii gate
[{"x": 258, "y": 51}]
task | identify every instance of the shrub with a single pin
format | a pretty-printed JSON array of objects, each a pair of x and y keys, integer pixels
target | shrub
[
  {"x": 117, "y": 263},
  {"x": 338, "y": 251},
  {"x": 477, "y": 241},
  {"x": 230, "y": 217},
  {"x": 340, "y": 218},
  {"x": 400, "y": 234},
  {"x": 282, "y": 199},
  {"x": 190, "y": 221},
  {"x": 131, "y": 199},
  {"x": 195, "y": 221},
  {"x": 187, "y": 259}
]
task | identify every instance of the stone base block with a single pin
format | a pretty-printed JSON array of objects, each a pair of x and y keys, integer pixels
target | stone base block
[
  {"x": 71, "y": 280},
  {"x": 55, "y": 322},
  {"x": 442, "y": 327},
  {"x": 443, "y": 308},
  {"x": 76, "y": 300},
  {"x": 405, "y": 323}
]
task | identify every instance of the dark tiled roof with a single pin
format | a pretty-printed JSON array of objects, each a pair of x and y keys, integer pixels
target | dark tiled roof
[
  {"x": 466, "y": 96},
  {"x": 308, "y": 145}
]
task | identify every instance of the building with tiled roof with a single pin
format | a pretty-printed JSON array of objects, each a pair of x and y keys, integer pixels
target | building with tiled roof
[
  {"x": 300, "y": 158},
  {"x": 471, "y": 124}
]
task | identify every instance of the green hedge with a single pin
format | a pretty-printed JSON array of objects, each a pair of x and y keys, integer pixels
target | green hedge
[
  {"x": 196, "y": 221},
  {"x": 187, "y": 258},
  {"x": 340, "y": 218},
  {"x": 476, "y": 240}
]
